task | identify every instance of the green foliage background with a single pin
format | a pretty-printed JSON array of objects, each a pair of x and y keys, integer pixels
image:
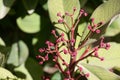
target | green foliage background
[{"x": 25, "y": 25}]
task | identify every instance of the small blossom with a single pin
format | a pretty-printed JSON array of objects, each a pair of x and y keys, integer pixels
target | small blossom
[
  {"x": 65, "y": 51},
  {"x": 41, "y": 62},
  {"x": 46, "y": 57},
  {"x": 102, "y": 58},
  {"x": 62, "y": 34},
  {"x": 59, "y": 14},
  {"x": 38, "y": 56},
  {"x": 68, "y": 72},
  {"x": 107, "y": 46},
  {"x": 80, "y": 69},
  {"x": 85, "y": 14},
  {"x": 89, "y": 27},
  {"x": 41, "y": 50},
  {"x": 74, "y": 8},
  {"x": 60, "y": 21},
  {"x": 96, "y": 49},
  {"x": 92, "y": 19},
  {"x": 87, "y": 74},
  {"x": 102, "y": 45},
  {"x": 51, "y": 44},
  {"x": 96, "y": 54},
  {"x": 53, "y": 32},
  {"x": 72, "y": 41},
  {"x": 97, "y": 31},
  {"x": 66, "y": 13}
]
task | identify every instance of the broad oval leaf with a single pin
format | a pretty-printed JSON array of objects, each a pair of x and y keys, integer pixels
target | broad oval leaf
[
  {"x": 4, "y": 74},
  {"x": 19, "y": 53},
  {"x": 56, "y": 76},
  {"x": 99, "y": 73},
  {"x": 30, "y": 5},
  {"x": 62, "y": 6},
  {"x": 31, "y": 69},
  {"x": 29, "y": 23},
  {"x": 5, "y": 6},
  {"x": 114, "y": 26},
  {"x": 106, "y": 11},
  {"x": 112, "y": 57}
]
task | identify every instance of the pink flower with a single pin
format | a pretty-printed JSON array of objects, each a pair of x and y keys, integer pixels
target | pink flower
[
  {"x": 60, "y": 21},
  {"x": 97, "y": 31},
  {"x": 59, "y": 14}
]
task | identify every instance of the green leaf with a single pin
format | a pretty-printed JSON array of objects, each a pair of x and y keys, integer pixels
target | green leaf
[
  {"x": 99, "y": 73},
  {"x": 62, "y": 6},
  {"x": 5, "y": 6},
  {"x": 114, "y": 26},
  {"x": 19, "y": 53},
  {"x": 105, "y": 12},
  {"x": 57, "y": 76},
  {"x": 112, "y": 57},
  {"x": 29, "y": 23},
  {"x": 22, "y": 69},
  {"x": 36, "y": 71},
  {"x": 31, "y": 69},
  {"x": 2, "y": 42},
  {"x": 30, "y": 5},
  {"x": 5, "y": 73}
]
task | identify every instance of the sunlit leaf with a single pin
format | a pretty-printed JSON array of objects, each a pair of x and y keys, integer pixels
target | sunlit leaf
[
  {"x": 62, "y": 6},
  {"x": 5, "y": 6},
  {"x": 29, "y": 23},
  {"x": 31, "y": 69},
  {"x": 99, "y": 73},
  {"x": 105, "y": 12},
  {"x": 112, "y": 57},
  {"x": 18, "y": 54},
  {"x": 57, "y": 76},
  {"x": 5, "y": 73}
]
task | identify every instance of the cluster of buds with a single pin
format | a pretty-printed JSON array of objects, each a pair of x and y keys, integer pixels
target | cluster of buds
[{"x": 53, "y": 48}]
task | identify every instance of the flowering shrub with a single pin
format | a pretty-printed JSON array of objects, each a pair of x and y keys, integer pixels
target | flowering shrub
[
  {"x": 53, "y": 48},
  {"x": 76, "y": 39}
]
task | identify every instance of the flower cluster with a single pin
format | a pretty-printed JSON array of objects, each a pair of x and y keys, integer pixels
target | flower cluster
[{"x": 53, "y": 48}]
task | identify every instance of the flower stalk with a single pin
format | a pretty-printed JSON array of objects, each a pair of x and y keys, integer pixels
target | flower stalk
[{"x": 53, "y": 48}]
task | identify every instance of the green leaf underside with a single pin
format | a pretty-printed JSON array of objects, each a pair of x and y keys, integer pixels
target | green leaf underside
[
  {"x": 57, "y": 76},
  {"x": 5, "y": 73},
  {"x": 30, "y": 5},
  {"x": 112, "y": 57},
  {"x": 62, "y": 6},
  {"x": 19, "y": 53},
  {"x": 5, "y": 6},
  {"x": 105, "y": 12},
  {"x": 99, "y": 73},
  {"x": 32, "y": 72},
  {"x": 114, "y": 26},
  {"x": 29, "y": 23}
]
